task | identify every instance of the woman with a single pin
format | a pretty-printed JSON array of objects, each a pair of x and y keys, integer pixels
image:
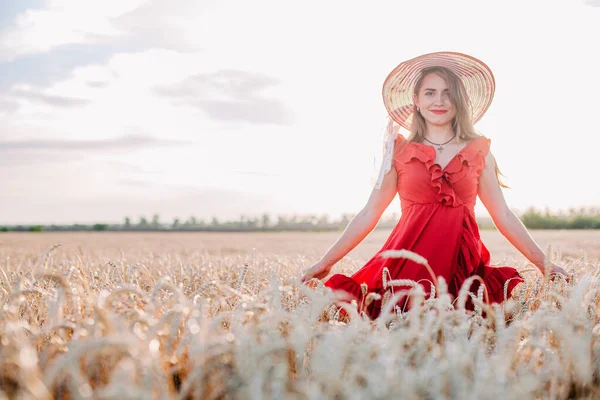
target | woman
[{"x": 438, "y": 171}]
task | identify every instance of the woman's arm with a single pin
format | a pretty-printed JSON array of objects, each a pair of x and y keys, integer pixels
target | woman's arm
[
  {"x": 358, "y": 228},
  {"x": 505, "y": 220},
  {"x": 365, "y": 221}
]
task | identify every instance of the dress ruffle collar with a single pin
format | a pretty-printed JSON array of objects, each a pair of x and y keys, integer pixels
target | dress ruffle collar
[{"x": 470, "y": 156}]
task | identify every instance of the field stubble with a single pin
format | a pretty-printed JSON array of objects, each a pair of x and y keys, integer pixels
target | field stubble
[{"x": 211, "y": 316}]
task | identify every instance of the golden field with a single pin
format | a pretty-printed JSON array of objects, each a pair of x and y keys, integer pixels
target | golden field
[{"x": 221, "y": 315}]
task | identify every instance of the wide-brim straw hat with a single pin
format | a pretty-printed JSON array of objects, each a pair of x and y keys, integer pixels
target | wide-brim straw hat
[{"x": 475, "y": 75}]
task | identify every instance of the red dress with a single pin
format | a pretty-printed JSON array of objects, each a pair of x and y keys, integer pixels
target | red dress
[{"x": 438, "y": 223}]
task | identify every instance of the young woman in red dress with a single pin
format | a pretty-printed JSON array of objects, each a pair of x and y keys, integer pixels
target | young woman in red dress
[{"x": 438, "y": 171}]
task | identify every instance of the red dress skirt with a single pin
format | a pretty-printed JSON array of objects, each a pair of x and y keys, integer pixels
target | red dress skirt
[{"x": 438, "y": 223}]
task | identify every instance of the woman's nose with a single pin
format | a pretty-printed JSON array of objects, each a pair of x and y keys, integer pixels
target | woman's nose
[{"x": 440, "y": 99}]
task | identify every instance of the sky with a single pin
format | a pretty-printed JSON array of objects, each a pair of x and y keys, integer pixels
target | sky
[{"x": 227, "y": 108}]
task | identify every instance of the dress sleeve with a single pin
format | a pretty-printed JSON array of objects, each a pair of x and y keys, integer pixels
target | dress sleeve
[{"x": 389, "y": 139}]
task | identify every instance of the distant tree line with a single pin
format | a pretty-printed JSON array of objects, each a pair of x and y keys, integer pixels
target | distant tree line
[
  {"x": 266, "y": 222},
  {"x": 573, "y": 218},
  {"x": 582, "y": 218}
]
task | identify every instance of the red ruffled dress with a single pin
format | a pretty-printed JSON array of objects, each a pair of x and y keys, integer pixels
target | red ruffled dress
[{"x": 438, "y": 223}]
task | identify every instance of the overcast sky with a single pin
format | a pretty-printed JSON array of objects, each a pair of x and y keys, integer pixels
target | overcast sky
[{"x": 184, "y": 107}]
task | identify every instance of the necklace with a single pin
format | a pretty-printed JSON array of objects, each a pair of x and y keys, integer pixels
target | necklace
[{"x": 440, "y": 148}]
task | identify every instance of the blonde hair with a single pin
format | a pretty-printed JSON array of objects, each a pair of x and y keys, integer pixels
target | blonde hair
[{"x": 462, "y": 124}]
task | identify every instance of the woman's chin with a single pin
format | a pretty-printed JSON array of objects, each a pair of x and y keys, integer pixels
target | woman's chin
[{"x": 439, "y": 123}]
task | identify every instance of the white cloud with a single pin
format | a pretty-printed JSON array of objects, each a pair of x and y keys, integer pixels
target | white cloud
[
  {"x": 170, "y": 24},
  {"x": 231, "y": 95},
  {"x": 62, "y": 22}
]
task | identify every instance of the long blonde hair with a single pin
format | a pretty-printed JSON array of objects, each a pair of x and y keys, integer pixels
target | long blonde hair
[{"x": 462, "y": 124}]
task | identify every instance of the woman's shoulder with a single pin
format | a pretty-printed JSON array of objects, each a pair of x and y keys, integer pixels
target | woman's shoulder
[
  {"x": 482, "y": 141},
  {"x": 399, "y": 138},
  {"x": 478, "y": 146},
  {"x": 400, "y": 142}
]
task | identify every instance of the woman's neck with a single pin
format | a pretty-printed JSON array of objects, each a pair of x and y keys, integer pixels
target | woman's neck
[{"x": 439, "y": 134}]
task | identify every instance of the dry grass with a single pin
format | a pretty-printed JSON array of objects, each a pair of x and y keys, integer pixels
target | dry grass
[{"x": 204, "y": 316}]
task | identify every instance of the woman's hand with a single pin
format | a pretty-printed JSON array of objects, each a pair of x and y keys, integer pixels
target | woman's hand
[
  {"x": 319, "y": 271},
  {"x": 556, "y": 270}
]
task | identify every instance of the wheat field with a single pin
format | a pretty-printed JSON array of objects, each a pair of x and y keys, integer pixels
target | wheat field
[{"x": 222, "y": 316}]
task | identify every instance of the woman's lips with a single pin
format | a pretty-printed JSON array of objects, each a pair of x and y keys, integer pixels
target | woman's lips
[{"x": 438, "y": 112}]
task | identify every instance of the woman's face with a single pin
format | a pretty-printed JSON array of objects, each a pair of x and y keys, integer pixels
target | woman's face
[{"x": 433, "y": 96}]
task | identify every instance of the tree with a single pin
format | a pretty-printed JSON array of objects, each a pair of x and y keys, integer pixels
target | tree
[
  {"x": 252, "y": 223},
  {"x": 282, "y": 222},
  {"x": 532, "y": 219},
  {"x": 175, "y": 224},
  {"x": 143, "y": 223},
  {"x": 191, "y": 222},
  {"x": 324, "y": 220},
  {"x": 155, "y": 221},
  {"x": 266, "y": 221},
  {"x": 346, "y": 218},
  {"x": 127, "y": 223}
]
